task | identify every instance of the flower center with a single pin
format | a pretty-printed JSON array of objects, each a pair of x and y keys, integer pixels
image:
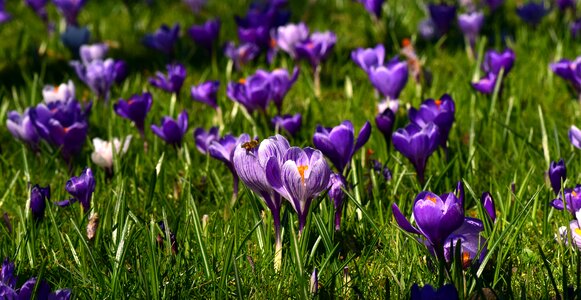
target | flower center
[
  {"x": 465, "y": 259},
  {"x": 405, "y": 42},
  {"x": 242, "y": 80},
  {"x": 56, "y": 89},
  {"x": 574, "y": 194},
  {"x": 431, "y": 198},
  {"x": 302, "y": 170},
  {"x": 310, "y": 46},
  {"x": 272, "y": 43},
  {"x": 438, "y": 103}
]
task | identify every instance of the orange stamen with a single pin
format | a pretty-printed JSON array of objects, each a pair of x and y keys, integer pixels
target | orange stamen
[
  {"x": 406, "y": 42},
  {"x": 574, "y": 193},
  {"x": 242, "y": 80},
  {"x": 66, "y": 129},
  {"x": 272, "y": 43},
  {"x": 56, "y": 89},
  {"x": 310, "y": 46},
  {"x": 302, "y": 170},
  {"x": 465, "y": 259},
  {"x": 438, "y": 103},
  {"x": 431, "y": 198}
]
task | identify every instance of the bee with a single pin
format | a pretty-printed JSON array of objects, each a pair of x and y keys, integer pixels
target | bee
[{"x": 250, "y": 145}]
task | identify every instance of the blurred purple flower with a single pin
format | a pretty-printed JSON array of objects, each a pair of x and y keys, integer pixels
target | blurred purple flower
[
  {"x": 486, "y": 84},
  {"x": 575, "y": 28},
  {"x": 372, "y": 6},
  {"x": 339, "y": 143},
  {"x": 163, "y": 39},
  {"x": 417, "y": 144},
  {"x": 470, "y": 24},
  {"x": 223, "y": 150},
  {"x": 384, "y": 121},
  {"x": 172, "y": 83},
  {"x": 443, "y": 16},
  {"x": 572, "y": 200},
  {"x": 206, "y": 92},
  {"x": 290, "y": 123},
  {"x": 22, "y": 128},
  {"x": 98, "y": 75},
  {"x": 39, "y": 8},
  {"x": 135, "y": 109},
  {"x": 38, "y": 198},
  {"x": 427, "y": 29},
  {"x": 368, "y": 58},
  {"x": 494, "y": 61},
  {"x": 89, "y": 53},
  {"x": 575, "y": 136},
  {"x": 564, "y": 4},
  {"x": 280, "y": 83},
  {"x": 74, "y": 37},
  {"x": 204, "y": 138},
  {"x": 494, "y": 4},
  {"x": 195, "y": 5},
  {"x": 289, "y": 36},
  {"x": 63, "y": 92},
  {"x": 253, "y": 92},
  {"x": 242, "y": 54},
  {"x": 447, "y": 292},
  {"x": 172, "y": 131},
  {"x": 205, "y": 34},
  {"x": 440, "y": 112},
  {"x": 316, "y": 48},
  {"x": 69, "y": 9},
  {"x": 557, "y": 174},
  {"x": 390, "y": 80},
  {"x": 337, "y": 184},
  {"x": 570, "y": 71},
  {"x": 532, "y": 12}
]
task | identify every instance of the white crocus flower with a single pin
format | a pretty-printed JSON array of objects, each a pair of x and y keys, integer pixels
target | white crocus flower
[
  {"x": 63, "y": 92},
  {"x": 103, "y": 154}
]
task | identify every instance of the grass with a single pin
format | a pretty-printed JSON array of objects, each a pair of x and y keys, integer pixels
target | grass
[{"x": 227, "y": 251}]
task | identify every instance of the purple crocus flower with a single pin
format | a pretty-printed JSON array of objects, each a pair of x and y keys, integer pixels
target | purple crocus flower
[
  {"x": 301, "y": 177},
  {"x": 572, "y": 200},
  {"x": 290, "y": 123},
  {"x": 570, "y": 71},
  {"x": 135, "y": 109},
  {"x": 470, "y": 24},
  {"x": 172, "y": 83},
  {"x": 468, "y": 237},
  {"x": 443, "y": 16},
  {"x": 121, "y": 73},
  {"x": 289, "y": 36},
  {"x": 98, "y": 75},
  {"x": 22, "y": 127},
  {"x": 206, "y": 34},
  {"x": 7, "y": 277},
  {"x": 575, "y": 136},
  {"x": 384, "y": 122},
  {"x": 417, "y": 144},
  {"x": 372, "y": 6},
  {"x": 69, "y": 9},
  {"x": 440, "y": 112},
  {"x": 89, "y": 53},
  {"x": 204, "y": 138},
  {"x": 62, "y": 124},
  {"x": 172, "y": 131},
  {"x": 38, "y": 198},
  {"x": 339, "y": 143},
  {"x": 436, "y": 217},
  {"x": 81, "y": 188},
  {"x": 250, "y": 162},
  {"x": 337, "y": 184},
  {"x": 495, "y": 61},
  {"x": 223, "y": 150},
  {"x": 390, "y": 80},
  {"x": 368, "y": 58},
  {"x": 8, "y": 288},
  {"x": 493, "y": 4},
  {"x": 163, "y": 39},
  {"x": 427, "y": 29},
  {"x": 557, "y": 174},
  {"x": 206, "y": 92},
  {"x": 486, "y": 84},
  {"x": 447, "y": 292},
  {"x": 488, "y": 204},
  {"x": 280, "y": 83},
  {"x": 575, "y": 28},
  {"x": 532, "y": 12},
  {"x": 253, "y": 92},
  {"x": 316, "y": 48},
  {"x": 242, "y": 54}
]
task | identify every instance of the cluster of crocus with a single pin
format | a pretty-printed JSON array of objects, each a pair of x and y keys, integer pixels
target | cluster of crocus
[
  {"x": 570, "y": 71},
  {"x": 163, "y": 39},
  {"x": 172, "y": 83},
  {"x": 27, "y": 291},
  {"x": 567, "y": 199},
  {"x": 441, "y": 222},
  {"x": 205, "y": 35},
  {"x": 81, "y": 189},
  {"x": 494, "y": 62},
  {"x": 532, "y": 12},
  {"x": 439, "y": 22},
  {"x": 257, "y": 91},
  {"x": 98, "y": 73}
]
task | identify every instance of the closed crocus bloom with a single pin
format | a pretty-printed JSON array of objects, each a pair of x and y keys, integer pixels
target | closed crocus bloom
[
  {"x": 470, "y": 24},
  {"x": 368, "y": 58},
  {"x": 576, "y": 229},
  {"x": 436, "y": 217},
  {"x": 98, "y": 75},
  {"x": 390, "y": 80},
  {"x": 102, "y": 156},
  {"x": 417, "y": 144},
  {"x": 488, "y": 204},
  {"x": 495, "y": 61},
  {"x": 81, "y": 189},
  {"x": 570, "y": 71},
  {"x": 206, "y": 92},
  {"x": 337, "y": 184},
  {"x": 259, "y": 36},
  {"x": 204, "y": 138},
  {"x": 7, "y": 277},
  {"x": 62, "y": 92},
  {"x": 74, "y": 37},
  {"x": 22, "y": 127},
  {"x": 440, "y": 112},
  {"x": 427, "y": 292},
  {"x": 280, "y": 83},
  {"x": 62, "y": 124},
  {"x": 575, "y": 136},
  {"x": 303, "y": 175},
  {"x": 443, "y": 16},
  {"x": 384, "y": 122},
  {"x": 206, "y": 34},
  {"x": 572, "y": 200},
  {"x": 468, "y": 237},
  {"x": 316, "y": 48},
  {"x": 172, "y": 131},
  {"x": 532, "y": 12},
  {"x": 427, "y": 29},
  {"x": 135, "y": 109},
  {"x": 486, "y": 84},
  {"x": 223, "y": 150},
  {"x": 557, "y": 174},
  {"x": 242, "y": 54},
  {"x": 28, "y": 290},
  {"x": 172, "y": 83},
  {"x": 372, "y": 6},
  {"x": 89, "y": 53},
  {"x": 575, "y": 28},
  {"x": 163, "y": 39},
  {"x": 121, "y": 71},
  {"x": 69, "y": 9},
  {"x": 339, "y": 143},
  {"x": 38, "y": 198},
  {"x": 290, "y": 123},
  {"x": 290, "y": 35},
  {"x": 253, "y": 92}
]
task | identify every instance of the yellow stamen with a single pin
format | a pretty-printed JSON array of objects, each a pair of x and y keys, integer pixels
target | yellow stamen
[
  {"x": 578, "y": 231},
  {"x": 302, "y": 170}
]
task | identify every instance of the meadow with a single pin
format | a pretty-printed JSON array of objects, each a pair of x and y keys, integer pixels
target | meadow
[{"x": 164, "y": 220}]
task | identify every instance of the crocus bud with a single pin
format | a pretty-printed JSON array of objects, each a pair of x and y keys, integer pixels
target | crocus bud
[
  {"x": 488, "y": 204},
  {"x": 557, "y": 174},
  {"x": 38, "y": 198},
  {"x": 314, "y": 282}
]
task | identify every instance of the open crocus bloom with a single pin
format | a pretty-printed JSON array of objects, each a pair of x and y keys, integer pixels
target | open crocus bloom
[
  {"x": 63, "y": 92},
  {"x": 572, "y": 200},
  {"x": 440, "y": 112},
  {"x": 368, "y": 58}
]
